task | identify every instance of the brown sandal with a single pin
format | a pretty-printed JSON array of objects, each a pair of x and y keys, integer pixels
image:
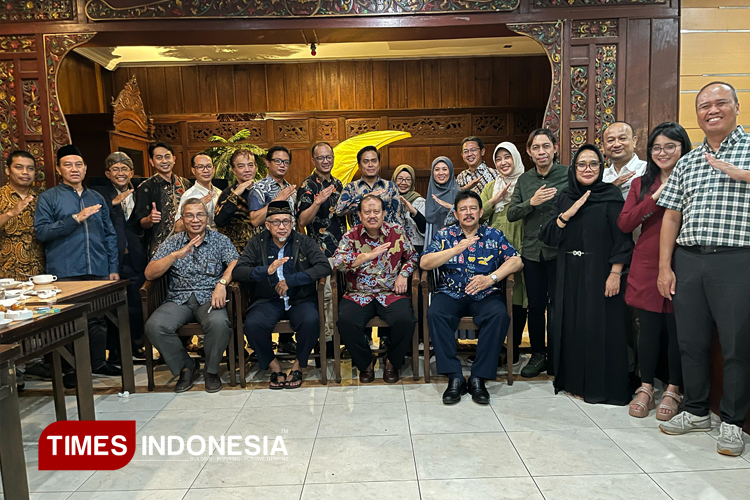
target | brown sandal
[
  {"x": 641, "y": 410},
  {"x": 672, "y": 410}
]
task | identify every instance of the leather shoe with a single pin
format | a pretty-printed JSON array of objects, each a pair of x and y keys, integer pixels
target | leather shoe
[
  {"x": 187, "y": 378},
  {"x": 213, "y": 382},
  {"x": 456, "y": 389},
  {"x": 108, "y": 370},
  {"x": 366, "y": 376},
  {"x": 478, "y": 391},
  {"x": 390, "y": 374}
]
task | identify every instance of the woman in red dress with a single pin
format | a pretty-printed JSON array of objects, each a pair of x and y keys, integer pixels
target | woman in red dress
[{"x": 667, "y": 143}]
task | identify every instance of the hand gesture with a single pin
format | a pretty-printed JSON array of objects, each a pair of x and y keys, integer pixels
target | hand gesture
[
  {"x": 88, "y": 212},
  {"x": 623, "y": 179},
  {"x": 281, "y": 288},
  {"x": 275, "y": 265},
  {"x": 500, "y": 195},
  {"x": 219, "y": 297},
  {"x": 188, "y": 249},
  {"x": 576, "y": 206},
  {"x": 243, "y": 186},
  {"x": 408, "y": 206},
  {"x": 399, "y": 287},
  {"x": 155, "y": 215},
  {"x": 464, "y": 244},
  {"x": 478, "y": 283},
  {"x": 442, "y": 203},
  {"x": 377, "y": 192},
  {"x": 114, "y": 276},
  {"x": 656, "y": 195},
  {"x": 121, "y": 197},
  {"x": 375, "y": 252},
  {"x": 543, "y": 194},
  {"x": 612, "y": 287},
  {"x": 666, "y": 283},
  {"x": 207, "y": 199},
  {"x": 729, "y": 169},
  {"x": 285, "y": 193},
  {"x": 20, "y": 206},
  {"x": 471, "y": 184},
  {"x": 326, "y": 193}
]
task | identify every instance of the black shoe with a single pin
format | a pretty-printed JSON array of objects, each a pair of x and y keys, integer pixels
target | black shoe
[
  {"x": 187, "y": 378},
  {"x": 287, "y": 348},
  {"x": 536, "y": 365},
  {"x": 108, "y": 370},
  {"x": 139, "y": 354},
  {"x": 456, "y": 389},
  {"x": 69, "y": 380},
  {"x": 329, "y": 349},
  {"x": 114, "y": 358},
  {"x": 253, "y": 357},
  {"x": 38, "y": 371},
  {"x": 213, "y": 382},
  {"x": 478, "y": 391}
]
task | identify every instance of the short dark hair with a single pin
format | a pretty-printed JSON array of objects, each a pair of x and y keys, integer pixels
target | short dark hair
[
  {"x": 239, "y": 153},
  {"x": 196, "y": 155},
  {"x": 317, "y": 145},
  {"x": 541, "y": 131},
  {"x": 276, "y": 149},
  {"x": 19, "y": 154},
  {"x": 370, "y": 196},
  {"x": 463, "y": 195},
  {"x": 364, "y": 150},
  {"x": 164, "y": 145},
  {"x": 472, "y": 138},
  {"x": 734, "y": 90}
]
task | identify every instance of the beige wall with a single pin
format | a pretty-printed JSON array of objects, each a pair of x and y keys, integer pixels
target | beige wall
[{"x": 718, "y": 50}]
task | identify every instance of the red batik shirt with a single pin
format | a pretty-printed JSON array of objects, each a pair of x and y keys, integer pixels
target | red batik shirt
[{"x": 374, "y": 279}]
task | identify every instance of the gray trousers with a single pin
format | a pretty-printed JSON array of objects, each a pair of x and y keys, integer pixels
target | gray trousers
[
  {"x": 161, "y": 329},
  {"x": 714, "y": 287}
]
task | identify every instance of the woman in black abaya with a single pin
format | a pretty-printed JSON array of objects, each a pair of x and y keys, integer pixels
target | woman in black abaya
[{"x": 591, "y": 359}]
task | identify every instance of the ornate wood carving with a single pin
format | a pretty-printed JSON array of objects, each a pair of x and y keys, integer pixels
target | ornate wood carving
[
  {"x": 239, "y": 117},
  {"x": 129, "y": 113},
  {"x": 37, "y": 10},
  {"x": 356, "y": 126},
  {"x": 165, "y": 132},
  {"x": 492, "y": 125},
  {"x": 99, "y": 10},
  {"x": 32, "y": 112},
  {"x": 578, "y": 137},
  {"x": 579, "y": 93},
  {"x": 605, "y": 66},
  {"x": 55, "y": 48},
  {"x": 549, "y": 35},
  {"x": 203, "y": 131},
  {"x": 327, "y": 130},
  {"x": 17, "y": 43},
  {"x": 430, "y": 126},
  {"x": 8, "y": 113},
  {"x": 291, "y": 130},
  {"x": 591, "y": 29},
  {"x": 524, "y": 123},
  {"x": 588, "y": 3},
  {"x": 36, "y": 148}
]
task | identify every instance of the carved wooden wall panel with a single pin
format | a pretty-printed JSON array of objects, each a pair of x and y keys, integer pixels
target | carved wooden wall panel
[
  {"x": 8, "y": 108},
  {"x": 37, "y": 10}
]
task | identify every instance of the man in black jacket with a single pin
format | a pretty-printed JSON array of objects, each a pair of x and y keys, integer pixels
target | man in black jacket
[
  {"x": 131, "y": 253},
  {"x": 284, "y": 267}
]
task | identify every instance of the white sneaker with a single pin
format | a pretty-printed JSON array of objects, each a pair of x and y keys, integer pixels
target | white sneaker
[
  {"x": 730, "y": 440},
  {"x": 685, "y": 422}
]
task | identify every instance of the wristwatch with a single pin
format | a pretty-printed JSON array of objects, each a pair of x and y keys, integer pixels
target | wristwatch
[
  {"x": 404, "y": 274},
  {"x": 494, "y": 277},
  {"x": 223, "y": 281},
  {"x": 75, "y": 218}
]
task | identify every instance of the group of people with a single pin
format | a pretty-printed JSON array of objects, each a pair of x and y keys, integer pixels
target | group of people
[{"x": 629, "y": 261}]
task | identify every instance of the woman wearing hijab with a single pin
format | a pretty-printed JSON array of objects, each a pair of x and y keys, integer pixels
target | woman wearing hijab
[
  {"x": 405, "y": 179},
  {"x": 442, "y": 189},
  {"x": 495, "y": 200},
  {"x": 591, "y": 354}
]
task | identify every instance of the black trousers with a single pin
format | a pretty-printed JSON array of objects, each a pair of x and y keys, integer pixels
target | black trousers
[
  {"x": 135, "y": 309},
  {"x": 714, "y": 288},
  {"x": 97, "y": 329},
  {"x": 658, "y": 330},
  {"x": 489, "y": 315},
  {"x": 352, "y": 321},
  {"x": 261, "y": 318},
  {"x": 540, "y": 289}
]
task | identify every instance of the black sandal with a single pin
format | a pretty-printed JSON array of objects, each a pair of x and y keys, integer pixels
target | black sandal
[
  {"x": 275, "y": 380},
  {"x": 296, "y": 377}
]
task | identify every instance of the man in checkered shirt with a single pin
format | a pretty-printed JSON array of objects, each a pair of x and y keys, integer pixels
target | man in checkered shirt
[{"x": 707, "y": 199}]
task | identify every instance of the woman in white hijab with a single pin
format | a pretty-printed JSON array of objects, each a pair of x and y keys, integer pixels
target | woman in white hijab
[{"x": 495, "y": 199}]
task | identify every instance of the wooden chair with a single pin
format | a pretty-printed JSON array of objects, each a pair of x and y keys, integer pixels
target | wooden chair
[
  {"x": 467, "y": 322},
  {"x": 338, "y": 288},
  {"x": 153, "y": 294},
  {"x": 243, "y": 302}
]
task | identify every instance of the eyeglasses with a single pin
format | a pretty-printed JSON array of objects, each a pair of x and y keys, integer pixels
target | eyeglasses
[
  {"x": 277, "y": 223},
  {"x": 669, "y": 149},
  {"x": 117, "y": 170},
  {"x": 278, "y": 162},
  {"x": 582, "y": 166},
  {"x": 199, "y": 216},
  {"x": 470, "y": 151},
  {"x": 321, "y": 159},
  {"x": 203, "y": 168}
]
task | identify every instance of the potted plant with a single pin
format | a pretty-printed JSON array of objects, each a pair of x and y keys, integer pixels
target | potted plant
[{"x": 221, "y": 154}]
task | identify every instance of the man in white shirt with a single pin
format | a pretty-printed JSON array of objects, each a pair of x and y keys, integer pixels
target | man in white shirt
[
  {"x": 619, "y": 143},
  {"x": 203, "y": 170}
]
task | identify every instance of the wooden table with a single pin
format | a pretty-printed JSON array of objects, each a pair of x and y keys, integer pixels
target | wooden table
[
  {"x": 12, "y": 461},
  {"x": 104, "y": 297}
]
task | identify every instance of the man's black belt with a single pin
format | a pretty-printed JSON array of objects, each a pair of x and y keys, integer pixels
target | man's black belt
[{"x": 709, "y": 249}]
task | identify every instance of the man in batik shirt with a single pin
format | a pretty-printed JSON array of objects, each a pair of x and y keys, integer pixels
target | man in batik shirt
[{"x": 478, "y": 174}]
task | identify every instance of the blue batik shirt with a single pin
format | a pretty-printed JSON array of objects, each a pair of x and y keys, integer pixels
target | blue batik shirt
[
  {"x": 265, "y": 191},
  {"x": 483, "y": 258}
]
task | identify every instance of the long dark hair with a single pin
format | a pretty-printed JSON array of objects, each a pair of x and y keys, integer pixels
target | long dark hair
[{"x": 668, "y": 129}]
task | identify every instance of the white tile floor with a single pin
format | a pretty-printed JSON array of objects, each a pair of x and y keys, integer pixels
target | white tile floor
[{"x": 398, "y": 441}]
